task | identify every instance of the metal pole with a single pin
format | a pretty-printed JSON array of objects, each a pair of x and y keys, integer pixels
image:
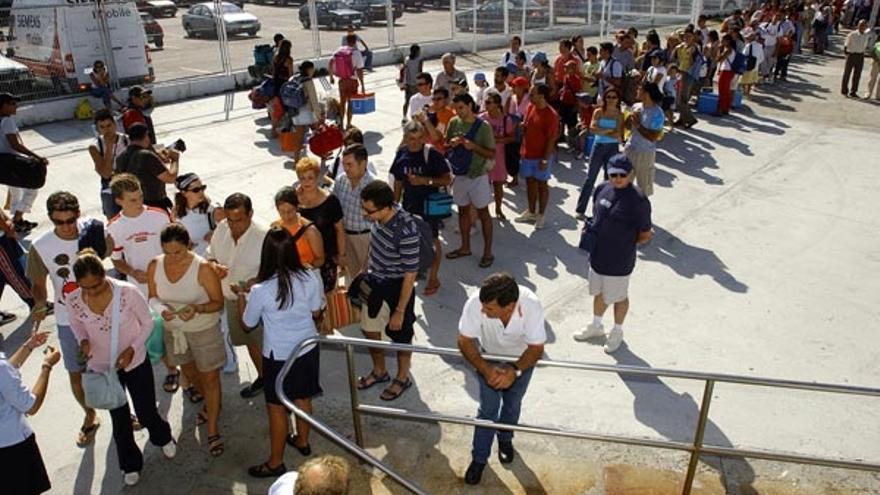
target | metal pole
[
  {"x": 107, "y": 42},
  {"x": 506, "y": 8},
  {"x": 389, "y": 16},
  {"x": 523, "y": 32},
  {"x": 698, "y": 437},
  {"x": 552, "y": 12},
  {"x": 653, "y": 2},
  {"x": 590, "y": 12},
  {"x": 474, "y": 33},
  {"x": 873, "y": 21},
  {"x": 313, "y": 23},
  {"x": 353, "y": 394},
  {"x": 453, "y": 18}
]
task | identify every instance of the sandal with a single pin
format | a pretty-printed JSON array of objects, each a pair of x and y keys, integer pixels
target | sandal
[
  {"x": 201, "y": 417},
  {"x": 431, "y": 290},
  {"x": 172, "y": 382},
  {"x": 265, "y": 471},
  {"x": 215, "y": 445},
  {"x": 365, "y": 382},
  {"x": 193, "y": 394},
  {"x": 458, "y": 253},
  {"x": 86, "y": 434},
  {"x": 389, "y": 394},
  {"x": 291, "y": 440},
  {"x": 486, "y": 261}
]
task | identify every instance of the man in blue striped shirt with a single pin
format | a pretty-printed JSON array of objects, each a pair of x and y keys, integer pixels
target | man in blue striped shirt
[{"x": 392, "y": 265}]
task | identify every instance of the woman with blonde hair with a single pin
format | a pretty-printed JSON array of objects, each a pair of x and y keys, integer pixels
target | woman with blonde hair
[{"x": 324, "y": 209}]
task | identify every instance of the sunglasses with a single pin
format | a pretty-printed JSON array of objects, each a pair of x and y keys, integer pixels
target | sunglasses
[
  {"x": 197, "y": 189},
  {"x": 69, "y": 221},
  {"x": 611, "y": 97},
  {"x": 618, "y": 176}
]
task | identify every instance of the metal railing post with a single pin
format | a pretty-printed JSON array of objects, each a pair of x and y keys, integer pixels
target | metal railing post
[
  {"x": 522, "y": 33},
  {"x": 453, "y": 18},
  {"x": 698, "y": 437},
  {"x": 551, "y": 6},
  {"x": 474, "y": 32},
  {"x": 389, "y": 20},
  {"x": 506, "y": 9},
  {"x": 313, "y": 23},
  {"x": 353, "y": 394}
]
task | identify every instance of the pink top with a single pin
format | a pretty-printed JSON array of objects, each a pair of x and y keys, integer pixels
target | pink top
[
  {"x": 501, "y": 126},
  {"x": 135, "y": 325}
]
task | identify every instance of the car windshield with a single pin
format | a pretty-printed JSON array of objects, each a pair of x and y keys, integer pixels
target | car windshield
[{"x": 229, "y": 8}]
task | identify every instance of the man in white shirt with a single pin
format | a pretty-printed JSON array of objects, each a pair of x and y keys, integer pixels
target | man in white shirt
[
  {"x": 509, "y": 56},
  {"x": 769, "y": 33},
  {"x": 422, "y": 98},
  {"x": 235, "y": 252},
  {"x": 856, "y": 44},
  {"x": 501, "y": 319},
  {"x": 10, "y": 144}
]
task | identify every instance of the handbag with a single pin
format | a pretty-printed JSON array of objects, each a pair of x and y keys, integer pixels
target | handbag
[
  {"x": 22, "y": 171},
  {"x": 326, "y": 139},
  {"x": 590, "y": 233},
  {"x": 103, "y": 390},
  {"x": 339, "y": 312},
  {"x": 438, "y": 205}
]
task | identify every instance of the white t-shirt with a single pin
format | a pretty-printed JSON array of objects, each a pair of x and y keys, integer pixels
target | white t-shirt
[
  {"x": 285, "y": 484},
  {"x": 8, "y": 126},
  {"x": 505, "y": 97},
  {"x": 417, "y": 102},
  {"x": 198, "y": 224},
  {"x": 284, "y": 329},
  {"x": 526, "y": 325},
  {"x": 58, "y": 255},
  {"x": 653, "y": 71},
  {"x": 136, "y": 239},
  {"x": 769, "y": 31},
  {"x": 727, "y": 63}
]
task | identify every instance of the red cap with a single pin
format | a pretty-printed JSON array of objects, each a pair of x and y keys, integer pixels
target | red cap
[{"x": 520, "y": 81}]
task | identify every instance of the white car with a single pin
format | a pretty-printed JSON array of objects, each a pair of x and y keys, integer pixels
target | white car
[{"x": 200, "y": 20}]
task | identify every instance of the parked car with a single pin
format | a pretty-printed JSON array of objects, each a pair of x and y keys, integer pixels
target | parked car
[
  {"x": 200, "y": 20},
  {"x": 374, "y": 10},
  {"x": 190, "y": 3},
  {"x": 157, "y": 8},
  {"x": 490, "y": 16},
  {"x": 279, "y": 2},
  {"x": 332, "y": 13},
  {"x": 416, "y": 5},
  {"x": 5, "y": 6},
  {"x": 437, "y": 4},
  {"x": 16, "y": 78},
  {"x": 153, "y": 30}
]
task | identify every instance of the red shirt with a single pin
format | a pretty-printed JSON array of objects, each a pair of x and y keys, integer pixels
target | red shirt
[
  {"x": 541, "y": 126},
  {"x": 559, "y": 66},
  {"x": 571, "y": 86}
]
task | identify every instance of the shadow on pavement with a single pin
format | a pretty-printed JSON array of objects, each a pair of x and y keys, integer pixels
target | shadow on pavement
[
  {"x": 674, "y": 416},
  {"x": 689, "y": 261}
]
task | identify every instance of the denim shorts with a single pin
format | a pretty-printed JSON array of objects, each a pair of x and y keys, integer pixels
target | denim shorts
[
  {"x": 529, "y": 169},
  {"x": 70, "y": 350}
]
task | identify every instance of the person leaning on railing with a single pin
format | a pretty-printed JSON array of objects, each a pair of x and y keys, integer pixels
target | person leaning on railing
[{"x": 502, "y": 319}]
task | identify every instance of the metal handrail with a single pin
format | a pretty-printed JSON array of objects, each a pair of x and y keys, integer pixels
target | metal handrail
[{"x": 696, "y": 448}]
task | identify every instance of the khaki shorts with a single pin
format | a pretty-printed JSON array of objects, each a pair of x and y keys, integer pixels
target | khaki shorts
[
  {"x": 467, "y": 191},
  {"x": 204, "y": 347},
  {"x": 643, "y": 168},
  {"x": 237, "y": 335},
  {"x": 613, "y": 289}
]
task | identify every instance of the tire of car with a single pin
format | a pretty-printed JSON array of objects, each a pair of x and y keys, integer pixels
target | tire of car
[
  {"x": 306, "y": 24},
  {"x": 252, "y": 33},
  {"x": 334, "y": 25},
  {"x": 160, "y": 42},
  {"x": 366, "y": 19}
]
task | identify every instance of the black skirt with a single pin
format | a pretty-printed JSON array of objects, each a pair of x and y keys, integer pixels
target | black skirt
[{"x": 22, "y": 469}]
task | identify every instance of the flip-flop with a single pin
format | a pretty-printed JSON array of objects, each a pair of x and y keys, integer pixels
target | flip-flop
[
  {"x": 431, "y": 290},
  {"x": 264, "y": 471},
  {"x": 193, "y": 394},
  {"x": 215, "y": 445},
  {"x": 451, "y": 255},
  {"x": 201, "y": 417},
  {"x": 363, "y": 384},
  {"x": 486, "y": 261},
  {"x": 87, "y": 434},
  {"x": 389, "y": 394},
  {"x": 172, "y": 382}
]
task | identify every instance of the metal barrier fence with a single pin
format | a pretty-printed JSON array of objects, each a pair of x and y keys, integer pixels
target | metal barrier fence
[
  {"x": 48, "y": 47},
  {"x": 696, "y": 448}
]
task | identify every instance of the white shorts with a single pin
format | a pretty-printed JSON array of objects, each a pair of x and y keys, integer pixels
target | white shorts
[
  {"x": 467, "y": 191},
  {"x": 613, "y": 289}
]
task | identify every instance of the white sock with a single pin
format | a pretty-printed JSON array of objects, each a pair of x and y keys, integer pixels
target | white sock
[
  {"x": 597, "y": 320},
  {"x": 618, "y": 327}
]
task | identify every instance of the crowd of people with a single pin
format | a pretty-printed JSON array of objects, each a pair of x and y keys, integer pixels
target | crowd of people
[{"x": 193, "y": 278}]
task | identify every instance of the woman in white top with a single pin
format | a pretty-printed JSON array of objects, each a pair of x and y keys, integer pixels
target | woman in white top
[
  {"x": 725, "y": 74},
  {"x": 287, "y": 298},
  {"x": 195, "y": 210},
  {"x": 19, "y": 454},
  {"x": 309, "y": 114},
  {"x": 185, "y": 290}
]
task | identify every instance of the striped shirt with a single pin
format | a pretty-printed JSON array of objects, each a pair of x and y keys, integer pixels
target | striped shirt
[
  {"x": 394, "y": 247},
  {"x": 350, "y": 198}
]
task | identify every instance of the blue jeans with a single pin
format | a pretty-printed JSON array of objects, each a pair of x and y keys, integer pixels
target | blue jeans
[
  {"x": 368, "y": 59},
  {"x": 500, "y": 406},
  {"x": 599, "y": 156}
]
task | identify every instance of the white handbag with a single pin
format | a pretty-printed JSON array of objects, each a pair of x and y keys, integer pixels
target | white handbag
[{"x": 103, "y": 390}]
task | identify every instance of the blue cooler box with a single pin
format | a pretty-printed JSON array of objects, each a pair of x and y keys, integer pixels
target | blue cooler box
[
  {"x": 363, "y": 103},
  {"x": 707, "y": 103}
]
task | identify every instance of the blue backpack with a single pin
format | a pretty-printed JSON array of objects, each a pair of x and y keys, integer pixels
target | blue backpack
[
  {"x": 697, "y": 64},
  {"x": 293, "y": 94},
  {"x": 460, "y": 157},
  {"x": 739, "y": 63}
]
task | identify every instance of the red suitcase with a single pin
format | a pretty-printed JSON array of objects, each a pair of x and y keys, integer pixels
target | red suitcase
[{"x": 326, "y": 139}]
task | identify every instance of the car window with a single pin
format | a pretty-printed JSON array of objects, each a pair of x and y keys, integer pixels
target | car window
[{"x": 229, "y": 8}]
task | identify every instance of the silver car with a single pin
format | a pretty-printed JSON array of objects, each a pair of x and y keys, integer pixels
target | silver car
[{"x": 200, "y": 20}]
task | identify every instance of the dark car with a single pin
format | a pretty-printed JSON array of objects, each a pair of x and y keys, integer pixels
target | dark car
[
  {"x": 200, "y": 20},
  {"x": 153, "y": 30},
  {"x": 157, "y": 8},
  {"x": 490, "y": 16},
  {"x": 416, "y": 5},
  {"x": 374, "y": 10},
  {"x": 5, "y": 7},
  {"x": 332, "y": 13}
]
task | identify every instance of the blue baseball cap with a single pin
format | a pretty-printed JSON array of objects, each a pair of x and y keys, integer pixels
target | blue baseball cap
[
  {"x": 619, "y": 164},
  {"x": 479, "y": 76},
  {"x": 539, "y": 57}
]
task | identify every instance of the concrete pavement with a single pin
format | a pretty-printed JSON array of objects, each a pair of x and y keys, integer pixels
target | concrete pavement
[{"x": 764, "y": 264}]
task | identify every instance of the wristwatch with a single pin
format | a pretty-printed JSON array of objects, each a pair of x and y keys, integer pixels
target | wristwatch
[{"x": 516, "y": 370}]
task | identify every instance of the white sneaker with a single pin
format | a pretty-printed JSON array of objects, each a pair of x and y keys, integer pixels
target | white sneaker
[
  {"x": 526, "y": 217},
  {"x": 131, "y": 479},
  {"x": 615, "y": 338},
  {"x": 591, "y": 332},
  {"x": 539, "y": 222},
  {"x": 170, "y": 449}
]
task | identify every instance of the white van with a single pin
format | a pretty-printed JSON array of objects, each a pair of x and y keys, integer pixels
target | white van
[{"x": 61, "y": 40}]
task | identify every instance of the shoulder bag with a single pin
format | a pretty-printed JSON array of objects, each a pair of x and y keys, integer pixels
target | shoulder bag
[{"x": 103, "y": 390}]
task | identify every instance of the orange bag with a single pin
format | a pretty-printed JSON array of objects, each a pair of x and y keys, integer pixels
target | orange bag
[
  {"x": 276, "y": 110},
  {"x": 289, "y": 142},
  {"x": 339, "y": 312}
]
